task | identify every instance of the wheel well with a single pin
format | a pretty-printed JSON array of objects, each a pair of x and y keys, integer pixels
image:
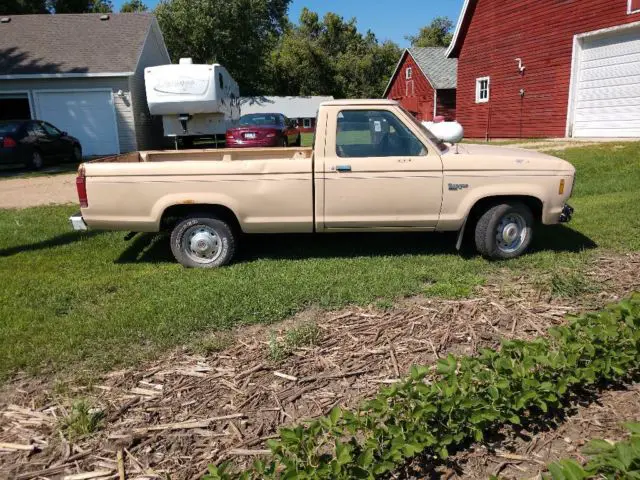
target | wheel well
[
  {"x": 175, "y": 213},
  {"x": 482, "y": 205}
]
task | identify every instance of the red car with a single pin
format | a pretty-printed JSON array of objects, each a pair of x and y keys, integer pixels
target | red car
[{"x": 264, "y": 130}]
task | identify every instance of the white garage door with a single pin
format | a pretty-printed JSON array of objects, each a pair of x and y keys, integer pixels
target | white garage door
[
  {"x": 87, "y": 115},
  {"x": 607, "y": 97}
]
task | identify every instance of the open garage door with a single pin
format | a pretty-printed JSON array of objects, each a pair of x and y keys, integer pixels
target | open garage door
[
  {"x": 607, "y": 86},
  {"x": 15, "y": 106},
  {"x": 88, "y": 115}
]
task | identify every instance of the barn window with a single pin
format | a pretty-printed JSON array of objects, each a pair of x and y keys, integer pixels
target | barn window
[
  {"x": 409, "y": 74},
  {"x": 483, "y": 86},
  {"x": 634, "y": 6},
  {"x": 306, "y": 123}
]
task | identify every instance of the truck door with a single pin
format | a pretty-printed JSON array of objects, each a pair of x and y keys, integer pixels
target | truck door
[{"x": 378, "y": 173}]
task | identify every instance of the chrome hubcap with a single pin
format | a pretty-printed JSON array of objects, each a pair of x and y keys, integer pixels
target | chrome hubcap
[
  {"x": 511, "y": 232},
  {"x": 202, "y": 244}
]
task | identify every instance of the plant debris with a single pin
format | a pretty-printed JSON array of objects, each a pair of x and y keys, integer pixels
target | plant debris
[{"x": 176, "y": 415}]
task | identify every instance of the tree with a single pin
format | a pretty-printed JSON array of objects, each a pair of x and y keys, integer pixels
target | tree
[
  {"x": 133, "y": 6},
  {"x": 80, "y": 6},
  {"x": 17, "y": 7},
  {"x": 330, "y": 57},
  {"x": 436, "y": 34},
  {"x": 238, "y": 34}
]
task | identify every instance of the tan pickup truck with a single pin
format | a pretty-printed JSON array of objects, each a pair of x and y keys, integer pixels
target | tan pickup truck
[{"x": 373, "y": 168}]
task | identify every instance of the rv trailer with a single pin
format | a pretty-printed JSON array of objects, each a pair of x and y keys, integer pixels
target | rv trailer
[{"x": 195, "y": 101}]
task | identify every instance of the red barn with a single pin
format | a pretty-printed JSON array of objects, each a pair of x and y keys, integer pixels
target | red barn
[
  {"x": 424, "y": 82},
  {"x": 548, "y": 68}
]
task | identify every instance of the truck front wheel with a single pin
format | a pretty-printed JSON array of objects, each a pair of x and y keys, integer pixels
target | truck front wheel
[
  {"x": 200, "y": 241},
  {"x": 504, "y": 231}
]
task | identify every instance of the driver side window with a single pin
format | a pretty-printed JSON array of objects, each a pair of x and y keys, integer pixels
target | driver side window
[{"x": 375, "y": 133}]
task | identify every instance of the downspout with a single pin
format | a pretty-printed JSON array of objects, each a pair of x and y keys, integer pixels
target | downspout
[
  {"x": 435, "y": 104},
  {"x": 486, "y": 136}
]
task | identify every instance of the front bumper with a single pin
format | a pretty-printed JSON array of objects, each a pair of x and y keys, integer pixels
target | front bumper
[
  {"x": 77, "y": 222},
  {"x": 567, "y": 214}
]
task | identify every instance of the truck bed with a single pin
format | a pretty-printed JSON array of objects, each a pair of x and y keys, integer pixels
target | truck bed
[{"x": 212, "y": 155}]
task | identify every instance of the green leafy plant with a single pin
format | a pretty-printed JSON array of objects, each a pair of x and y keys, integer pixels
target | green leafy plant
[
  {"x": 438, "y": 408},
  {"x": 82, "y": 420},
  {"x": 606, "y": 460}
]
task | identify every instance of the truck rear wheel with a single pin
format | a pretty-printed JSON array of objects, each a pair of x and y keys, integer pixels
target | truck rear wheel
[
  {"x": 201, "y": 241},
  {"x": 504, "y": 231}
]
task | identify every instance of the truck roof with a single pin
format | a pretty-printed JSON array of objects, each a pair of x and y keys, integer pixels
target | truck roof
[{"x": 342, "y": 103}]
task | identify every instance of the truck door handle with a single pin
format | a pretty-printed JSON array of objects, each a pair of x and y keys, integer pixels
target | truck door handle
[{"x": 343, "y": 168}]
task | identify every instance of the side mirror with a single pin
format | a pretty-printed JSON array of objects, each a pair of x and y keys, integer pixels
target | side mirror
[
  {"x": 64, "y": 134},
  {"x": 449, "y": 132}
]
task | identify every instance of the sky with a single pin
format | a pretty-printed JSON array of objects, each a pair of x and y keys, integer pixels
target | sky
[{"x": 388, "y": 20}]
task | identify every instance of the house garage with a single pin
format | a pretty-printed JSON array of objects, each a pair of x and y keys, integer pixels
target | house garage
[
  {"x": 86, "y": 79},
  {"x": 605, "y": 88}
]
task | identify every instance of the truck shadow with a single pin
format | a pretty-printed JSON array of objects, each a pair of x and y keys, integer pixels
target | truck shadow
[
  {"x": 64, "y": 239},
  {"x": 154, "y": 248}
]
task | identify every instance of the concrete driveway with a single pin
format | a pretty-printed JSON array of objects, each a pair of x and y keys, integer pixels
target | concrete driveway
[{"x": 35, "y": 191}]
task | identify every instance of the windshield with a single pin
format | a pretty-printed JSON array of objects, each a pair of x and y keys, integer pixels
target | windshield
[
  {"x": 435, "y": 140},
  {"x": 260, "y": 119},
  {"x": 9, "y": 127}
]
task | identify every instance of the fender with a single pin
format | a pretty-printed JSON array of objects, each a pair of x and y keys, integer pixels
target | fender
[
  {"x": 457, "y": 204},
  {"x": 203, "y": 198}
]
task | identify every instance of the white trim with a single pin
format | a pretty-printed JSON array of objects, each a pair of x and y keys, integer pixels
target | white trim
[
  {"x": 70, "y": 90},
  {"x": 37, "y": 76},
  {"x": 435, "y": 104},
  {"x": 479, "y": 81},
  {"x": 306, "y": 123},
  {"x": 395, "y": 72},
  {"x": 629, "y": 8},
  {"x": 29, "y": 99},
  {"x": 408, "y": 73},
  {"x": 456, "y": 34},
  {"x": 578, "y": 42}
]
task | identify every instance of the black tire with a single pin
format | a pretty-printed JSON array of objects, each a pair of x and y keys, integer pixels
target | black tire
[
  {"x": 504, "y": 221},
  {"x": 207, "y": 227},
  {"x": 35, "y": 161}
]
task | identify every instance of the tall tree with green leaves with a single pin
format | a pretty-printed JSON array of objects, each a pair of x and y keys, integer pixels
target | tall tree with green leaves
[
  {"x": 80, "y": 6},
  {"x": 18, "y": 7},
  {"x": 437, "y": 34},
  {"x": 238, "y": 34},
  {"x": 133, "y": 6},
  {"x": 331, "y": 57}
]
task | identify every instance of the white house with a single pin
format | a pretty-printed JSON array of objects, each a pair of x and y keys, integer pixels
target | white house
[{"x": 85, "y": 74}]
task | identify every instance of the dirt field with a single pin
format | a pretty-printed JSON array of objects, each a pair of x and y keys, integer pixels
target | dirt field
[
  {"x": 182, "y": 412},
  {"x": 35, "y": 191}
]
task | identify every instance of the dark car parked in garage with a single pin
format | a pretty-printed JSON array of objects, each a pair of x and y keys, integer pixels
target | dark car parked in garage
[
  {"x": 263, "y": 130},
  {"x": 35, "y": 143}
]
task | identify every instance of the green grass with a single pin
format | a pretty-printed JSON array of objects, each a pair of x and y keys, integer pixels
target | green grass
[
  {"x": 306, "y": 139},
  {"x": 92, "y": 301}
]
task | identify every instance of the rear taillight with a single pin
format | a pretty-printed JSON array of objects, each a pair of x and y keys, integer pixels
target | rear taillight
[
  {"x": 229, "y": 134},
  {"x": 81, "y": 186},
  {"x": 9, "y": 142}
]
